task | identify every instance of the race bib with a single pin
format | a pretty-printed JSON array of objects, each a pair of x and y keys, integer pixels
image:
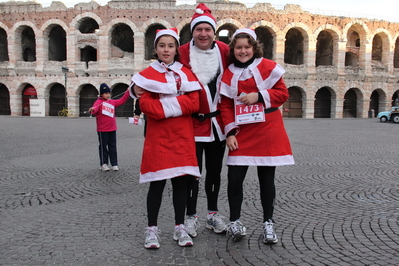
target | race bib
[
  {"x": 246, "y": 114},
  {"x": 108, "y": 109}
]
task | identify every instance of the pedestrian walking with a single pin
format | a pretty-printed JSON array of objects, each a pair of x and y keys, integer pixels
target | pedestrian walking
[
  {"x": 104, "y": 110},
  {"x": 252, "y": 89},
  {"x": 168, "y": 95}
]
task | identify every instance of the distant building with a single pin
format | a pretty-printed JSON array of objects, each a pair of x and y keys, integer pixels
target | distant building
[{"x": 337, "y": 67}]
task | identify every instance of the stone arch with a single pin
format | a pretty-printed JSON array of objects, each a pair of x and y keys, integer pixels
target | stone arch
[
  {"x": 149, "y": 33},
  {"x": 75, "y": 23},
  {"x": 5, "y": 108},
  {"x": 231, "y": 21},
  {"x": 382, "y": 52},
  {"x": 357, "y": 37},
  {"x": 4, "y": 33},
  {"x": 267, "y": 33},
  {"x": 88, "y": 94},
  {"x": 56, "y": 98},
  {"x": 327, "y": 37},
  {"x": 3, "y": 45},
  {"x": 296, "y": 43},
  {"x": 225, "y": 32},
  {"x": 293, "y": 107},
  {"x": 396, "y": 52},
  {"x": 25, "y": 34},
  {"x": 323, "y": 102},
  {"x": 124, "y": 110},
  {"x": 377, "y": 99},
  {"x": 184, "y": 30},
  {"x": 353, "y": 103},
  {"x": 120, "y": 41},
  {"x": 54, "y": 40}
]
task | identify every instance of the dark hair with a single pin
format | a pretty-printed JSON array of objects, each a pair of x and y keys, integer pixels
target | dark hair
[
  {"x": 258, "y": 52},
  {"x": 177, "y": 55}
]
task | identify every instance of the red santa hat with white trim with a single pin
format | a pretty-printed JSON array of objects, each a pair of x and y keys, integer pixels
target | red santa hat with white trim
[
  {"x": 247, "y": 31},
  {"x": 172, "y": 32},
  {"x": 202, "y": 15}
]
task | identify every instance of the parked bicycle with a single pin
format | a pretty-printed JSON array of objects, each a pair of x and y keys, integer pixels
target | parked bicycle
[{"x": 65, "y": 112}]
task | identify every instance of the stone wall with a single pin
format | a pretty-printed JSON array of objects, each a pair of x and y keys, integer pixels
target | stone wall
[{"x": 115, "y": 66}]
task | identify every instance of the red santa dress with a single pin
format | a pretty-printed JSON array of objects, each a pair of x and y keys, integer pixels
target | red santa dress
[
  {"x": 262, "y": 143},
  {"x": 171, "y": 98}
]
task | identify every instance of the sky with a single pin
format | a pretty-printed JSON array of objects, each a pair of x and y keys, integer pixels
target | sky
[{"x": 382, "y": 9}]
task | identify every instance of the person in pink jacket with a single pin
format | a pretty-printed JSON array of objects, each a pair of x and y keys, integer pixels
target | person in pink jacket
[{"x": 104, "y": 110}]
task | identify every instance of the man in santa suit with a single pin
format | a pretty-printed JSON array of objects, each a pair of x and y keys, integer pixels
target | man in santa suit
[{"x": 207, "y": 59}]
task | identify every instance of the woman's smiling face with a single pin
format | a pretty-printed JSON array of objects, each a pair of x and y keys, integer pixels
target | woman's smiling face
[{"x": 243, "y": 50}]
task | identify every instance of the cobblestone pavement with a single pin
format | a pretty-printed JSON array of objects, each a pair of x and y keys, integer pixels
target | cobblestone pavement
[{"x": 337, "y": 206}]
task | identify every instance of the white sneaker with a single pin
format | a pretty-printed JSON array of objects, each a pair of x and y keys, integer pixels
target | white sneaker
[
  {"x": 269, "y": 234},
  {"x": 115, "y": 168},
  {"x": 192, "y": 225},
  {"x": 216, "y": 223},
  {"x": 236, "y": 230},
  {"x": 105, "y": 168},
  {"x": 152, "y": 238},
  {"x": 180, "y": 235}
]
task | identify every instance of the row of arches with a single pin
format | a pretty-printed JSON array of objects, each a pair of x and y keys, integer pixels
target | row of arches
[
  {"x": 324, "y": 101},
  {"x": 57, "y": 99},
  {"x": 297, "y": 39}
]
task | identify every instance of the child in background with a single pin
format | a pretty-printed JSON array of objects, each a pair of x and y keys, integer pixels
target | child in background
[
  {"x": 104, "y": 110},
  {"x": 253, "y": 83},
  {"x": 168, "y": 95}
]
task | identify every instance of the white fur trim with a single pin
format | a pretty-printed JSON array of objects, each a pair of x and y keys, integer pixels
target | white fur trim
[
  {"x": 261, "y": 160},
  {"x": 199, "y": 11},
  {"x": 205, "y": 19},
  {"x": 230, "y": 127},
  {"x": 246, "y": 31},
  {"x": 167, "y": 32},
  {"x": 171, "y": 107},
  {"x": 204, "y": 64},
  {"x": 170, "y": 173}
]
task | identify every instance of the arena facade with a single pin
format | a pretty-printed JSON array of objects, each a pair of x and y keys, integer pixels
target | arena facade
[{"x": 336, "y": 67}]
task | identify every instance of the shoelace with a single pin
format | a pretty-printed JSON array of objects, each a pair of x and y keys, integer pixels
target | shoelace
[
  {"x": 182, "y": 231},
  {"x": 269, "y": 229},
  {"x": 193, "y": 221},
  {"x": 217, "y": 218},
  {"x": 235, "y": 227},
  {"x": 153, "y": 233}
]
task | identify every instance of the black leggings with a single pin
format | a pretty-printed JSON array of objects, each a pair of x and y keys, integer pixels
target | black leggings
[
  {"x": 154, "y": 199},
  {"x": 214, "y": 152},
  {"x": 236, "y": 176}
]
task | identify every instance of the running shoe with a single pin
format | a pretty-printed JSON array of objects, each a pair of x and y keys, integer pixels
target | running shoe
[
  {"x": 269, "y": 234},
  {"x": 216, "y": 223},
  {"x": 152, "y": 238},
  {"x": 236, "y": 230},
  {"x": 180, "y": 235},
  {"x": 192, "y": 225}
]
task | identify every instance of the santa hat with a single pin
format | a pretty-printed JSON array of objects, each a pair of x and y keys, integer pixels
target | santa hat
[
  {"x": 172, "y": 32},
  {"x": 203, "y": 15},
  {"x": 250, "y": 32}
]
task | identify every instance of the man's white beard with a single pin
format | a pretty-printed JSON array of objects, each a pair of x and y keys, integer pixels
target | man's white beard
[{"x": 204, "y": 64}]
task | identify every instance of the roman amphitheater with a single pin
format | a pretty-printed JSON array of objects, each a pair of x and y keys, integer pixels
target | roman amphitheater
[{"x": 336, "y": 67}]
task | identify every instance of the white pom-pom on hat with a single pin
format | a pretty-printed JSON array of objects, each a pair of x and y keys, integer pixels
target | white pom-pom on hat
[{"x": 199, "y": 11}]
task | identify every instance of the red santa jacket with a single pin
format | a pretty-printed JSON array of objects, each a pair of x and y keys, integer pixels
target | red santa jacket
[
  {"x": 171, "y": 98},
  {"x": 263, "y": 143},
  {"x": 203, "y": 129}
]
